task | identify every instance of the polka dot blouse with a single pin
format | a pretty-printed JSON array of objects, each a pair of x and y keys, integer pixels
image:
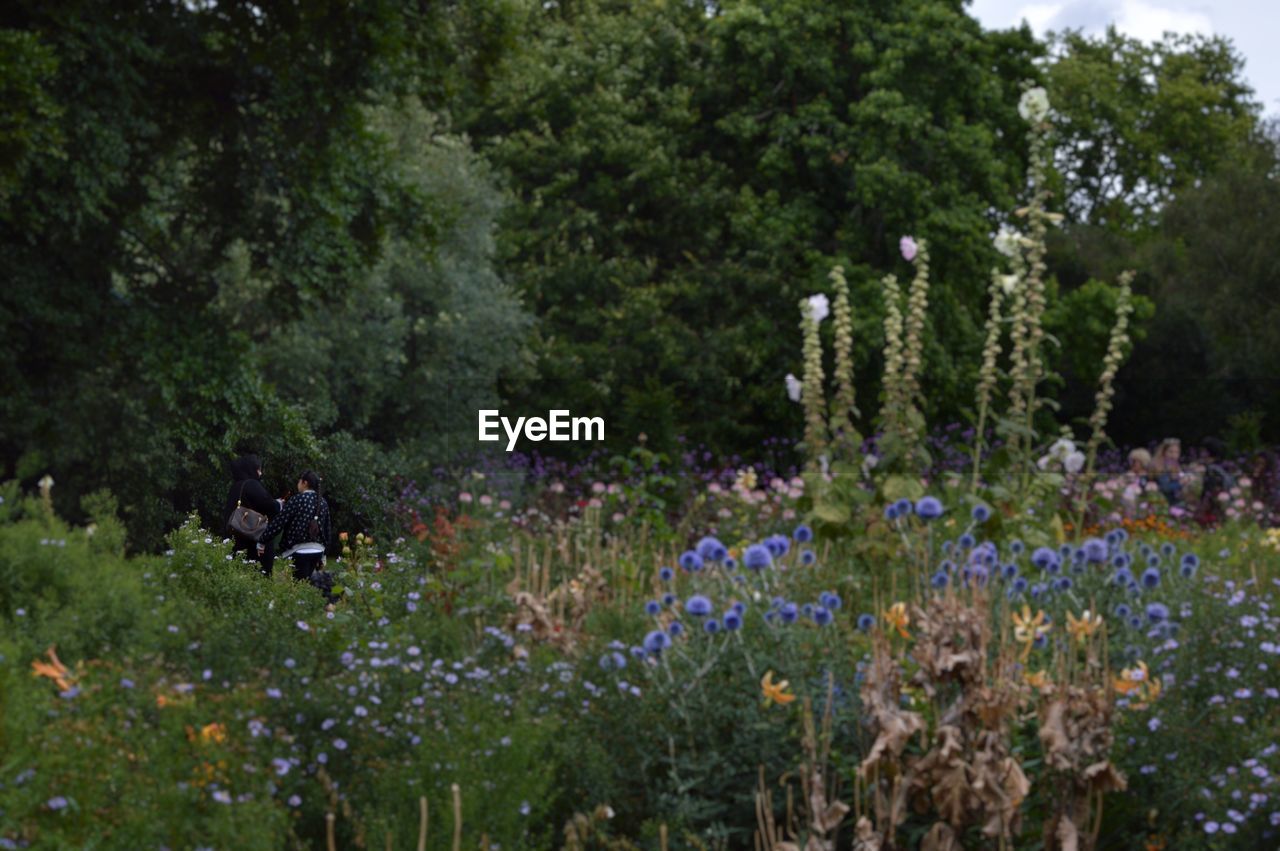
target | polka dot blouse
[{"x": 295, "y": 519}]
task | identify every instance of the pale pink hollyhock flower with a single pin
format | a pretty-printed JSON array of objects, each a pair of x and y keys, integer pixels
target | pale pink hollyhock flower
[
  {"x": 598, "y": 487},
  {"x": 1239, "y": 503},
  {"x": 777, "y": 484},
  {"x": 714, "y": 487},
  {"x": 1235, "y": 491},
  {"x": 618, "y": 517},
  {"x": 486, "y": 500},
  {"x": 1224, "y": 497},
  {"x": 505, "y": 505},
  {"x": 724, "y": 513},
  {"x": 615, "y": 488},
  {"x": 1176, "y": 511},
  {"x": 594, "y": 503},
  {"x": 908, "y": 247},
  {"x": 1257, "y": 506},
  {"x": 789, "y": 514},
  {"x": 464, "y": 497},
  {"x": 557, "y": 487},
  {"x": 1246, "y": 482},
  {"x": 797, "y": 482},
  {"x": 795, "y": 493}
]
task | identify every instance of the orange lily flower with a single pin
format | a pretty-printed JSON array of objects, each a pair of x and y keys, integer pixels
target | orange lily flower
[
  {"x": 54, "y": 670},
  {"x": 775, "y": 692},
  {"x": 1139, "y": 683},
  {"x": 896, "y": 616},
  {"x": 1083, "y": 627},
  {"x": 1038, "y": 680}
]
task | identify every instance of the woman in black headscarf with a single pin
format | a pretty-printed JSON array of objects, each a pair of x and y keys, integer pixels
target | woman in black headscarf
[{"x": 247, "y": 490}]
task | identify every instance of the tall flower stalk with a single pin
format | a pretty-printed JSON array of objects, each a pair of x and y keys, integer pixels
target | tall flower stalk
[
  {"x": 843, "y": 407},
  {"x": 894, "y": 359},
  {"x": 815, "y": 425},
  {"x": 989, "y": 374}
]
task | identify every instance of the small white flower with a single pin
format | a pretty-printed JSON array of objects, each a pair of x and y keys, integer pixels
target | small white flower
[
  {"x": 1034, "y": 105},
  {"x": 819, "y": 307},
  {"x": 793, "y": 387},
  {"x": 1008, "y": 241},
  {"x": 1008, "y": 283},
  {"x": 1074, "y": 462}
]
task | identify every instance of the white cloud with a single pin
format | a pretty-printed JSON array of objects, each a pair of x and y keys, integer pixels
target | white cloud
[
  {"x": 1040, "y": 16},
  {"x": 1140, "y": 19},
  {"x": 1149, "y": 22}
]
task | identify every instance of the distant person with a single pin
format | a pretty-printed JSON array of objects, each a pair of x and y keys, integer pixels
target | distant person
[
  {"x": 1166, "y": 468},
  {"x": 304, "y": 520},
  {"x": 1264, "y": 485},
  {"x": 1139, "y": 465},
  {"x": 247, "y": 490},
  {"x": 1216, "y": 480}
]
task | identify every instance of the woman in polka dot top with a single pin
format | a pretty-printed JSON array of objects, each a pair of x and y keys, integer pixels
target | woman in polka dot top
[{"x": 304, "y": 519}]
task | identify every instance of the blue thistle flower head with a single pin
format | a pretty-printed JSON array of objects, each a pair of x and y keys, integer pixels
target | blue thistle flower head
[
  {"x": 822, "y": 615},
  {"x": 1037, "y": 590},
  {"x": 1157, "y": 612},
  {"x": 1120, "y": 560},
  {"x": 1017, "y": 547},
  {"x": 757, "y": 557},
  {"x": 967, "y": 541},
  {"x": 788, "y": 612},
  {"x": 1135, "y": 622},
  {"x": 1151, "y": 578},
  {"x": 1187, "y": 570},
  {"x": 778, "y": 545},
  {"x": 1041, "y": 641},
  {"x": 940, "y": 579},
  {"x": 1095, "y": 550},
  {"x": 710, "y": 549},
  {"x": 656, "y": 641},
  {"x": 1062, "y": 583},
  {"x": 668, "y": 600},
  {"x": 803, "y": 534},
  {"x": 904, "y": 507},
  {"x": 1043, "y": 557},
  {"x": 1153, "y": 560},
  {"x": 698, "y": 606},
  {"x": 891, "y": 513},
  {"x": 1064, "y": 551},
  {"x": 831, "y": 600},
  {"x": 929, "y": 508},
  {"x": 690, "y": 561},
  {"x": 807, "y": 610},
  {"x": 731, "y": 563},
  {"x": 1122, "y": 577},
  {"x": 613, "y": 661},
  {"x": 1009, "y": 571},
  {"x": 1191, "y": 560},
  {"x": 980, "y": 513},
  {"x": 1123, "y": 611},
  {"x": 1020, "y": 585},
  {"x": 652, "y": 607},
  {"x": 866, "y": 622},
  {"x": 739, "y": 607},
  {"x": 808, "y": 557},
  {"x": 666, "y": 574},
  {"x": 732, "y": 620},
  {"x": 676, "y": 629},
  {"x": 946, "y": 547},
  {"x": 711, "y": 627},
  {"x": 1167, "y": 549}
]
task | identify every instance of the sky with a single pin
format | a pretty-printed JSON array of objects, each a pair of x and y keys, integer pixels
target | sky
[{"x": 1252, "y": 25}]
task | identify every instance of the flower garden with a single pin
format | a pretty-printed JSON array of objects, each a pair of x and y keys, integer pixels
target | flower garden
[{"x": 992, "y": 634}]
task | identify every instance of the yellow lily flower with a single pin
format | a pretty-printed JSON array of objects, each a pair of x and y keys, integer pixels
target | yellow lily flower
[
  {"x": 896, "y": 616},
  {"x": 775, "y": 692}
]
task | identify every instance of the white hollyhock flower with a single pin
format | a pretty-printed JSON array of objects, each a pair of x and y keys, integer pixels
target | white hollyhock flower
[
  {"x": 793, "y": 387},
  {"x": 1008, "y": 241},
  {"x": 819, "y": 307},
  {"x": 1034, "y": 105},
  {"x": 1074, "y": 462},
  {"x": 1008, "y": 283}
]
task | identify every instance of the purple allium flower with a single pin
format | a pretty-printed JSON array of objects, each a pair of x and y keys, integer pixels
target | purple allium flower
[
  {"x": 778, "y": 545},
  {"x": 940, "y": 579}
]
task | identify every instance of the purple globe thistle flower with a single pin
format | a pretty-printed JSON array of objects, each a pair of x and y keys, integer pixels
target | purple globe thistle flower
[
  {"x": 1043, "y": 557},
  {"x": 940, "y": 579},
  {"x": 652, "y": 607},
  {"x": 739, "y": 607},
  {"x": 1153, "y": 560},
  {"x": 866, "y": 622},
  {"x": 657, "y": 641},
  {"x": 788, "y": 612},
  {"x": 1123, "y": 611},
  {"x": 669, "y": 600},
  {"x": 613, "y": 661},
  {"x": 710, "y": 549},
  {"x": 1135, "y": 622},
  {"x": 1095, "y": 550},
  {"x": 904, "y": 507},
  {"x": 1157, "y": 612},
  {"x": 1121, "y": 560},
  {"x": 666, "y": 574},
  {"x": 967, "y": 541},
  {"x": 808, "y": 557},
  {"x": 803, "y": 534},
  {"x": 711, "y": 627},
  {"x": 929, "y": 508},
  {"x": 1037, "y": 590},
  {"x": 891, "y": 512},
  {"x": 831, "y": 600},
  {"x": 822, "y": 615},
  {"x": 732, "y": 620},
  {"x": 691, "y": 561},
  {"x": 1167, "y": 549},
  {"x": 1151, "y": 578},
  {"x": 1062, "y": 583},
  {"x": 778, "y": 545},
  {"x": 1122, "y": 577},
  {"x": 1009, "y": 571},
  {"x": 1017, "y": 547},
  {"x": 1191, "y": 560},
  {"x": 1041, "y": 641},
  {"x": 980, "y": 513},
  {"x": 731, "y": 563},
  {"x": 698, "y": 606},
  {"x": 675, "y": 629},
  {"x": 1020, "y": 585},
  {"x": 807, "y": 610},
  {"x": 757, "y": 557}
]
